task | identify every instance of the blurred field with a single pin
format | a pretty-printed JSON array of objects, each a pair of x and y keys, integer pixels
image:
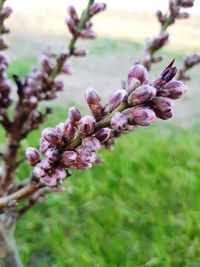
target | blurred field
[{"x": 141, "y": 207}]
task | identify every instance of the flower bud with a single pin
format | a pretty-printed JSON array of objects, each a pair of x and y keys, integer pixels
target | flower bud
[
  {"x": 69, "y": 131},
  {"x": 66, "y": 69},
  {"x": 71, "y": 25},
  {"x": 49, "y": 180},
  {"x": 82, "y": 165},
  {"x": 39, "y": 171},
  {"x": 5, "y": 13},
  {"x": 52, "y": 136},
  {"x": 96, "y": 8},
  {"x": 60, "y": 173},
  {"x": 46, "y": 64},
  {"x": 32, "y": 155},
  {"x": 138, "y": 72},
  {"x": 44, "y": 145},
  {"x": 92, "y": 96},
  {"x": 72, "y": 13},
  {"x": 119, "y": 122},
  {"x": 142, "y": 94},
  {"x": 74, "y": 115},
  {"x": 88, "y": 34},
  {"x": 173, "y": 89},
  {"x": 143, "y": 116},
  {"x": 52, "y": 154},
  {"x": 86, "y": 155},
  {"x": 91, "y": 143},
  {"x": 162, "y": 107},
  {"x": 59, "y": 85},
  {"x": 114, "y": 101},
  {"x": 68, "y": 157},
  {"x": 103, "y": 134},
  {"x": 86, "y": 126},
  {"x": 79, "y": 52}
]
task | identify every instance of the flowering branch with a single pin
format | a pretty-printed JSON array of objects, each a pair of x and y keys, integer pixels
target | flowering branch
[
  {"x": 42, "y": 85},
  {"x": 189, "y": 61},
  {"x": 153, "y": 45},
  {"x": 73, "y": 144}
]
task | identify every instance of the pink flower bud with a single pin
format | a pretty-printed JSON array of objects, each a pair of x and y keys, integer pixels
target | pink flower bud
[
  {"x": 60, "y": 128},
  {"x": 51, "y": 135},
  {"x": 86, "y": 126},
  {"x": 119, "y": 122},
  {"x": 92, "y": 96},
  {"x": 60, "y": 173},
  {"x": 5, "y": 13},
  {"x": 44, "y": 145},
  {"x": 91, "y": 143},
  {"x": 173, "y": 89},
  {"x": 66, "y": 69},
  {"x": 74, "y": 115},
  {"x": 46, "y": 64},
  {"x": 162, "y": 107},
  {"x": 88, "y": 34},
  {"x": 96, "y": 8},
  {"x": 32, "y": 155},
  {"x": 143, "y": 116},
  {"x": 103, "y": 134},
  {"x": 142, "y": 94},
  {"x": 71, "y": 25},
  {"x": 49, "y": 180},
  {"x": 114, "y": 101},
  {"x": 52, "y": 154},
  {"x": 72, "y": 12},
  {"x": 69, "y": 131},
  {"x": 138, "y": 72},
  {"x": 86, "y": 155},
  {"x": 59, "y": 85},
  {"x": 62, "y": 56},
  {"x": 82, "y": 165},
  {"x": 39, "y": 170},
  {"x": 68, "y": 157},
  {"x": 79, "y": 52}
]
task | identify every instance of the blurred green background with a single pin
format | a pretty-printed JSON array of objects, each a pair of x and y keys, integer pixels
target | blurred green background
[{"x": 141, "y": 207}]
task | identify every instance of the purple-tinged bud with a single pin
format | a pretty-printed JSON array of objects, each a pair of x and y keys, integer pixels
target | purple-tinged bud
[
  {"x": 46, "y": 64},
  {"x": 162, "y": 107},
  {"x": 33, "y": 101},
  {"x": 91, "y": 143},
  {"x": 72, "y": 12},
  {"x": 60, "y": 128},
  {"x": 166, "y": 76},
  {"x": 32, "y": 155},
  {"x": 92, "y": 96},
  {"x": 44, "y": 145},
  {"x": 79, "y": 52},
  {"x": 5, "y": 13},
  {"x": 143, "y": 116},
  {"x": 71, "y": 25},
  {"x": 68, "y": 158},
  {"x": 49, "y": 180},
  {"x": 59, "y": 85},
  {"x": 82, "y": 165},
  {"x": 62, "y": 56},
  {"x": 114, "y": 101},
  {"x": 86, "y": 155},
  {"x": 69, "y": 131},
  {"x": 119, "y": 122},
  {"x": 46, "y": 165},
  {"x": 60, "y": 173},
  {"x": 96, "y": 8},
  {"x": 52, "y": 154},
  {"x": 38, "y": 170},
  {"x": 173, "y": 89},
  {"x": 142, "y": 94},
  {"x": 66, "y": 69},
  {"x": 88, "y": 34},
  {"x": 74, "y": 115},
  {"x": 138, "y": 72},
  {"x": 86, "y": 126},
  {"x": 52, "y": 136},
  {"x": 103, "y": 134},
  {"x": 186, "y": 3}
]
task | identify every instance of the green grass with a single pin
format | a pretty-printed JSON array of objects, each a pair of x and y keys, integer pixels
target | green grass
[{"x": 140, "y": 208}]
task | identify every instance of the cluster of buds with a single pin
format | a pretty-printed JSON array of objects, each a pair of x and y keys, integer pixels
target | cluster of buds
[
  {"x": 41, "y": 84},
  {"x": 85, "y": 31},
  {"x": 75, "y": 142},
  {"x": 5, "y": 86},
  {"x": 152, "y": 45},
  {"x": 4, "y": 14},
  {"x": 189, "y": 61}
]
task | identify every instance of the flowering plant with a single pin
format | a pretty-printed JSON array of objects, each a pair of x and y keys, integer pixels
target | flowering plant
[{"x": 74, "y": 143}]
